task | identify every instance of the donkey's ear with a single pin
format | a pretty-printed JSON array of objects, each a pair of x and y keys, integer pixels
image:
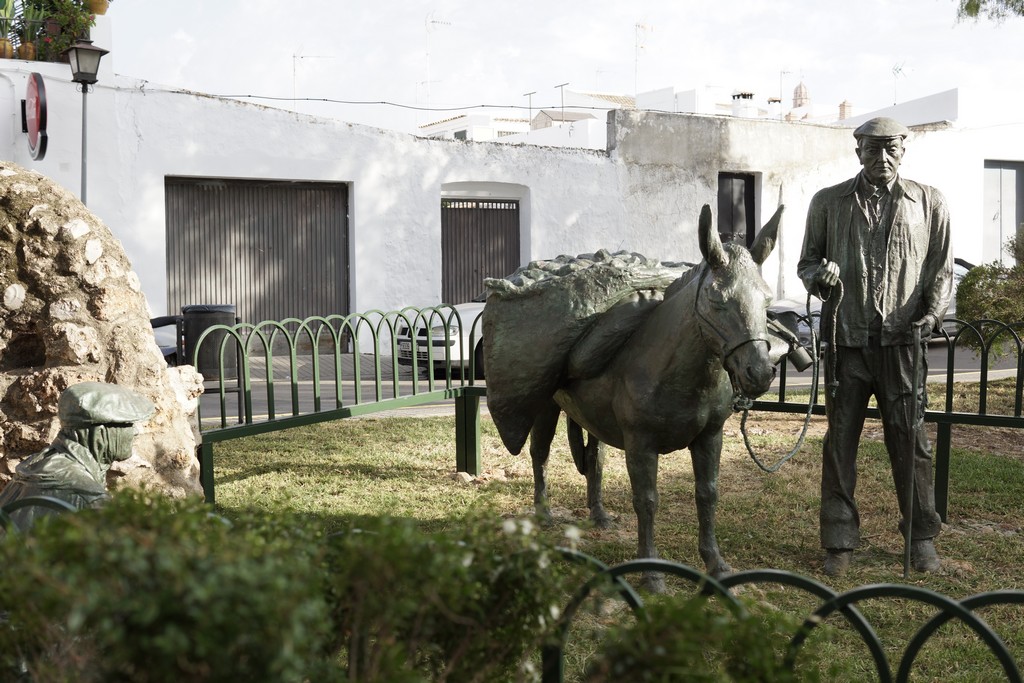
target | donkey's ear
[
  {"x": 766, "y": 239},
  {"x": 710, "y": 243}
]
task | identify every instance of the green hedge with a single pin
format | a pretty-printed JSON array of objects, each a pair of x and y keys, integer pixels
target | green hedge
[
  {"x": 696, "y": 638},
  {"x": 154, "y": 590},
  {"x": 470, "y": 605},
  {"x": 996, "y": 292},
  {"x": 150, "y": 589}
]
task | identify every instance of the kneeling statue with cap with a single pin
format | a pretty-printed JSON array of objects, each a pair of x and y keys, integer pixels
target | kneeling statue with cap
[{"x": 97, "y": 428}]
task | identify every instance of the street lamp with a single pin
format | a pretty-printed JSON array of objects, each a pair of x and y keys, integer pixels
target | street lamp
[{"x": 84, "y": 58}]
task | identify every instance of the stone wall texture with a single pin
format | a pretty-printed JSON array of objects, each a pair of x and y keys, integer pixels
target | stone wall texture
[{"x": 72, "y": 311}]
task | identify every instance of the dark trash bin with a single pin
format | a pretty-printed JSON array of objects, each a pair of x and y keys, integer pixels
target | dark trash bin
[
  {"x": 168, "y": 341},
  {"x": 196, "y": 319}
]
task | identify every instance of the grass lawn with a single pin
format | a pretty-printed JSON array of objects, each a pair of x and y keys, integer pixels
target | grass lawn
[{"x": 340, "y": 472}]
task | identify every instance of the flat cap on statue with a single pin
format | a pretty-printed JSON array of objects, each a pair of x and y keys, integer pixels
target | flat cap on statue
[
  {"x": 92, "y": 403},
  {"x": 881, "y": 127}
]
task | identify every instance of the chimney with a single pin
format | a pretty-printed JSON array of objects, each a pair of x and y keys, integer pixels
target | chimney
[
  {"x": 743, "y": 104},
  {"x": 845, "y": 109}
]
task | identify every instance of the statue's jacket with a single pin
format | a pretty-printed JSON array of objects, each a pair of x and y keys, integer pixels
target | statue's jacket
[
  {"x": 65, "y": 470},
  {"x": 916, "y": 276}
]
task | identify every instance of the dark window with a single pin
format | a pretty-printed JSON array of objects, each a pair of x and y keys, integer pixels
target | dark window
[{"x": 736, "y": 208}]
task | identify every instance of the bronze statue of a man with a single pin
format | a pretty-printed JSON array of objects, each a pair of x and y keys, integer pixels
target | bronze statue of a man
[
  {"x": 97, "y": 428},
  {"x": 886, "y": 240}
]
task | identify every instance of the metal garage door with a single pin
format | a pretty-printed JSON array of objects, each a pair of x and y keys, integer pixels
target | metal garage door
[
  {"x": 273, "y": 249},
  {"x": 479, "y": 239}
]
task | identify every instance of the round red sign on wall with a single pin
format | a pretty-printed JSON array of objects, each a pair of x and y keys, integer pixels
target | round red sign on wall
[{"x": 35, "y": 116}]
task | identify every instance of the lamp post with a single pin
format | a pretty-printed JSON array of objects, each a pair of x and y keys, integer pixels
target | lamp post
[{"x": 84, "y": 58}]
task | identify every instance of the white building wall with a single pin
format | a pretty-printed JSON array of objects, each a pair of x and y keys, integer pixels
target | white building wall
[
  {"x": 670, "y": 164},
  {"x": 396, "y": 184},
  {"x": 953, "y": 160},
  {"x": 643, "y": 195},
  {"x": 584, "y": 134},
  {"x": 138, "y": 134}
]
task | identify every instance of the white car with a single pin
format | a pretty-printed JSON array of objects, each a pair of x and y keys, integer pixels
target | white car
[{"x": 456, "y": 336}]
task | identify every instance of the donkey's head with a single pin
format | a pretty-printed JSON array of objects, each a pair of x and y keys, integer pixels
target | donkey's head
[{"x": 732, "y": 302}]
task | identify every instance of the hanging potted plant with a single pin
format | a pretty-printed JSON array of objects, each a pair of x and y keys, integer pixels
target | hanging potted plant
[
  {"x": 98, "y": 6},
  {"x": 28, "y": 28},
  {"x": 6, "y": 19}
]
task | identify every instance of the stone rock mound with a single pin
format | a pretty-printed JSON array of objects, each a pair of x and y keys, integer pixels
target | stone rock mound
[{"x": 72, "y": 310}]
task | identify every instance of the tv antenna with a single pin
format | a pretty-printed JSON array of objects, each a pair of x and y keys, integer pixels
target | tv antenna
[
  {"x": 430, "y": 25},
  {"x": 897, "y": 73},
  {"x": 561, "y": 87},
  {"x": 640, "y": 32},
  {"x": 295, "y": 60},
  {"x": 530, "y": 101},
  {"x": 782, "y": 107}
]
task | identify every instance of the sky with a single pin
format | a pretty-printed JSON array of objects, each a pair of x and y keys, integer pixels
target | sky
[{"x": 434, "y": 59}]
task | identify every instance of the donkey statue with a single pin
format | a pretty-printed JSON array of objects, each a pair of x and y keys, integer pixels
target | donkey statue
[{"x": 668, "y": 377}]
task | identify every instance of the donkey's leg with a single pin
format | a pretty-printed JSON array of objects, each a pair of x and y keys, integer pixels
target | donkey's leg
[
  {"x": 642, "y": 467},
  {"x": 706, "y": 452},
  {"x": 595, "y": 474},
  {"x": 589, "y": 458},
  {"x": 541, "y": 435}
]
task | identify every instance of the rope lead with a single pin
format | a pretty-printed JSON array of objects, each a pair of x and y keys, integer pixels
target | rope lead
[{"x": 745, "y": 404}]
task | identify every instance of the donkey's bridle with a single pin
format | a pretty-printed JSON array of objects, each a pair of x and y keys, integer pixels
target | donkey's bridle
[{"x": 727, "y": 348}]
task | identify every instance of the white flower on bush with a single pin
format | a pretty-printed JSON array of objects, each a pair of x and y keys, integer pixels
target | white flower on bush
[
  {"x": 511, "y": 526},
  {"x": 542, "y": 561},
  {"x": 573, "y": 535}
]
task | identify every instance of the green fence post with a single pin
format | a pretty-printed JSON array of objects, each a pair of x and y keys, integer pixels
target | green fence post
[
  {"x": 467, "y": 434},
  {"x": 552, "y": 663},
  {"x": 204, "y": 452}
]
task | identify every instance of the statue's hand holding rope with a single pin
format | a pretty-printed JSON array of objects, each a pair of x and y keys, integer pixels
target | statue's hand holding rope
[{"x": 827, "y": 273}]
